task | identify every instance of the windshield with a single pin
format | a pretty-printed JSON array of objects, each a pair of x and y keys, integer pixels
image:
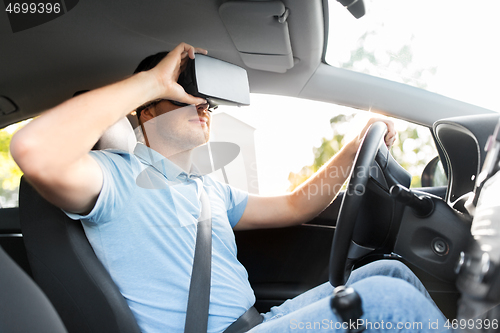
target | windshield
[{"x": 447, "y": 46}]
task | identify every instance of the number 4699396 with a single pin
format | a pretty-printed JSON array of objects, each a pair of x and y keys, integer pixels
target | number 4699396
[{"x": 32, "y": 8}]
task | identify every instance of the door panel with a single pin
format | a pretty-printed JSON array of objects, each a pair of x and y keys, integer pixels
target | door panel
[{"x": 283, "y": 263}]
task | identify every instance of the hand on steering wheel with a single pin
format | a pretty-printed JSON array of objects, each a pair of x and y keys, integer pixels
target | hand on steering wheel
[{"x": 369, "y": 146}]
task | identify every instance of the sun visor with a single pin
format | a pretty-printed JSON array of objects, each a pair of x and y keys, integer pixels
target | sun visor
[
  {"x": 259, "y": 30},
  {"x": 219, "y": 82}
]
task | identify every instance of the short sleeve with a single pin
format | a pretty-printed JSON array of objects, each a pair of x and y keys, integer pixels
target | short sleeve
[
  {"x": 118, "y": 177},
  {"x": 236, "y": 204}
]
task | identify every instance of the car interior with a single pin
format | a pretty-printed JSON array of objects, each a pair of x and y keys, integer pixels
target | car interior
[{"x": 49, "y": 274}]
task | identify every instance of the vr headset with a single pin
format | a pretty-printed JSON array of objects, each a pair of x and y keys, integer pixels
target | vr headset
[{"x": 217, "y": 81}]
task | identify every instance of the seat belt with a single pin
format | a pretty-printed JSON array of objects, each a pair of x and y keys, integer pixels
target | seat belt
[
  {"x": 246, "y": 322},
  {"x": 199, "y": 288}
]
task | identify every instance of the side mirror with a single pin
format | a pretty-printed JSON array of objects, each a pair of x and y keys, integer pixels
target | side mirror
[{"x": 433, "y": 174}]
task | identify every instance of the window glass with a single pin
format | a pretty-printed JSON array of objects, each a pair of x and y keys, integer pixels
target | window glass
[
  {"x": 284, "y": 140},
  {"x": 447, "y": 46},
  {"x": 10, "y": 173}
]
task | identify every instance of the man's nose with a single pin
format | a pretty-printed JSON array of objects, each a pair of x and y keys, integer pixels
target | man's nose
[{"x": 202, "y": 107}]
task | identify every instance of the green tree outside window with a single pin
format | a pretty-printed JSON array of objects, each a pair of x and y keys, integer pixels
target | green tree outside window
[{"x": 10, "y": 174}]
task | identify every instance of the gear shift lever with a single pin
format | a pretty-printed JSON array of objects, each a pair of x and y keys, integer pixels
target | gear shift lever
[{"x": 347, "y": 304}]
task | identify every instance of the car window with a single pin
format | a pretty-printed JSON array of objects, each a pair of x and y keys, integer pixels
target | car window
[
  {"x": 284, "y": 140},
  {"x": 437, "y": 47},
  {"x": 10, "y": 173}
]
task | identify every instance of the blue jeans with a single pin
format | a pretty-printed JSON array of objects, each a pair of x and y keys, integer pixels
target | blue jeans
[{"x": 393, "y": 298}]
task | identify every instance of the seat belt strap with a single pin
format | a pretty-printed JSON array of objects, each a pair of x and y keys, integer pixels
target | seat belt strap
[
  {"x": 246, "y": 322},
  {"x": 199, "y": 288}
]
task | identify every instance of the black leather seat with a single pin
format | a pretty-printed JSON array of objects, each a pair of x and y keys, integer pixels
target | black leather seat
[
  {"x": 64, "y": 264},
  {"x": 23, "y": 306}
]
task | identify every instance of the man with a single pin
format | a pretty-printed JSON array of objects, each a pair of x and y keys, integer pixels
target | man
[{"x": 139, "y": 210}]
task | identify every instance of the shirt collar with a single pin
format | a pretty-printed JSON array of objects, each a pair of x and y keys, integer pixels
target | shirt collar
[{"x": 162, "y": 164}]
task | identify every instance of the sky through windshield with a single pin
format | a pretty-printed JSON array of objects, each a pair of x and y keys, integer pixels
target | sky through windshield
[{"x": 448, "y": 47}]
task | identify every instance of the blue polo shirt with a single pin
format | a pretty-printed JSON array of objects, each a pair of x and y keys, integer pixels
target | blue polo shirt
[{"x": 143, "y": 230}]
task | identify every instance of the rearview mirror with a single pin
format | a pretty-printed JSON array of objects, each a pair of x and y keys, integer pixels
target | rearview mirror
[{"x": 355, "y": 7}]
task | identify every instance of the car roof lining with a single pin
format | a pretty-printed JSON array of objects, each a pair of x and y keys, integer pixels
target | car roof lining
[
  {"x": 97, "y": 43},
  {"x": 100, "y": 42}
]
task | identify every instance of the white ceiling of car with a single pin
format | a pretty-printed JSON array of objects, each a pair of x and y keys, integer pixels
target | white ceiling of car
[{"x": 99, "y": 42}]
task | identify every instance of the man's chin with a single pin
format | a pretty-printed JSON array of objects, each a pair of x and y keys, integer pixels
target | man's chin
[{"x": 198, "y": 142}]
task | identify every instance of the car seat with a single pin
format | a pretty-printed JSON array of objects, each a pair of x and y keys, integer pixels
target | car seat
[
  {"x": 23, "y": 306},
  {"x": 64, "y": 264}
]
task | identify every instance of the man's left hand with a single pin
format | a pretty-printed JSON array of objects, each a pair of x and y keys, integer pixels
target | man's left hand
[{"x": 389, "y": 137}]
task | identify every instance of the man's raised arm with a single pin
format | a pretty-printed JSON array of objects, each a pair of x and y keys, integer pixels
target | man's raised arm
[{"x": 52, "y": 150}]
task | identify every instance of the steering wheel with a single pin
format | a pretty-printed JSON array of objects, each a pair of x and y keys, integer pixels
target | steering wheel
[{"x": 352, "y": 201}]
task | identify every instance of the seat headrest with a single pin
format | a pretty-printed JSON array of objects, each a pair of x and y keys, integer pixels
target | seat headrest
[{"x": 119, "y": 136}]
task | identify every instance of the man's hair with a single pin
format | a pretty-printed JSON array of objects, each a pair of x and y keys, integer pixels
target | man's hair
[
  {"x": 150, "y": 61},
  {"x": 145, "y": 65}
]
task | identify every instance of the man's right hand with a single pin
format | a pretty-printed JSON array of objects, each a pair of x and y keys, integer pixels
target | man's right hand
[{"x": 168, "y": 70}]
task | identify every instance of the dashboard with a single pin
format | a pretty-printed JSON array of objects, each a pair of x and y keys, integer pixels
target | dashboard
[{"x": 461, "y": 142}]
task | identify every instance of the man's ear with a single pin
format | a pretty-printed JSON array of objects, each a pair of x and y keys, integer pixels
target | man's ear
[{"x": 147, "y": 114}]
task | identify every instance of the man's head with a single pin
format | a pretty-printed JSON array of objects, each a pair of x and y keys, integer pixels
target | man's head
[
  {"x": 145, "y": 65},
  {"x": 167, "y": 122}
]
